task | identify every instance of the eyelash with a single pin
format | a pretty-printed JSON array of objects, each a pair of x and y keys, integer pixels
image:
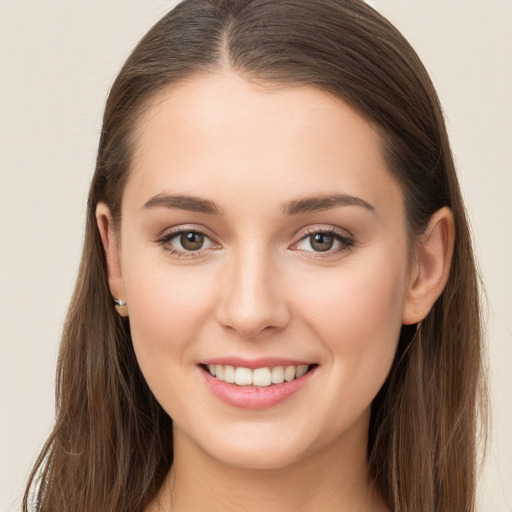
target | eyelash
[
  {"x": 345, "y": 242},
  {"x": 181, "y": 253}
]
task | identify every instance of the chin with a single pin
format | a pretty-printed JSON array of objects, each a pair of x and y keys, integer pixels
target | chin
[
  {"x": 264, "y": 456},
  {"x": 254, "y": 445},
  {"x": 267, "y": 445}
]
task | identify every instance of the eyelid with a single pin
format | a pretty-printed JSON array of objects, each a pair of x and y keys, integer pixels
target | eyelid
[
  {"x": 171, "y": 233},
  {"x": 324, "y": 228},
  {"x": 343, "y": 236}
]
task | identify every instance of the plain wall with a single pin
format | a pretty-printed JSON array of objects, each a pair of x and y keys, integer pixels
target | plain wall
[{"x": 58, "y": 59}]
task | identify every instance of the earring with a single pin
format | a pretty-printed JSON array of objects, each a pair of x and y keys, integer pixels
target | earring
[{"x": 120, "y": 302}]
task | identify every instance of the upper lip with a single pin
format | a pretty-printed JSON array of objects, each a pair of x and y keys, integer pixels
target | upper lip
[{"x": 261, "y": 362}]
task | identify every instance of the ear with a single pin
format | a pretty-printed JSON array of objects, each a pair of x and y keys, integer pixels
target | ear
[
  {"x": 112, "y": 255},
  {"x": 431, "y": 266}
]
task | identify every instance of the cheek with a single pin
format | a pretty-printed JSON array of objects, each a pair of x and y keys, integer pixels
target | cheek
[
  {"x": 166, "y": 304},
  {"x": 353, "y": 302},
  {"x": 357, "y": 313}
]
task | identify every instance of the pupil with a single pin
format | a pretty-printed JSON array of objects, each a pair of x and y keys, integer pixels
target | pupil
[
  {"x": 192, "y": 241},
  {"x": 321, "y": 242}
]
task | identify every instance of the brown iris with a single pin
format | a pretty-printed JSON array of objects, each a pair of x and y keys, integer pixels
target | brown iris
[
  {"x": 192, "y": 241},
  {"x": 321, "y": 242}
]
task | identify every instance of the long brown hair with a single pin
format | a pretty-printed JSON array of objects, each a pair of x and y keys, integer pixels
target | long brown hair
[{"x": 111, "y": 447}]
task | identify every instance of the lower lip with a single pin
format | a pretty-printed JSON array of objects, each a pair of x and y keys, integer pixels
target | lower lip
[{"x": 252, "y": 397}]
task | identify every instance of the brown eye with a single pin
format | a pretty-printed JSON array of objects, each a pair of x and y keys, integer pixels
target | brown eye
[
  {"x": 321, "y": 242},
  {"x": 187, "y": 243},
  {"x": 192, "y": 241},
  {"x": 328, "y": 242}
]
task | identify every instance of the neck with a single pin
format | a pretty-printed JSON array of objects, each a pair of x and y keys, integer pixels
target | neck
[{"x": 333, "y": 479}]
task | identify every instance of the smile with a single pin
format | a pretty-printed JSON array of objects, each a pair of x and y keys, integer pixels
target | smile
[
  {"x": 260, "y": 377},
  {"x": 266, "y": 384}
]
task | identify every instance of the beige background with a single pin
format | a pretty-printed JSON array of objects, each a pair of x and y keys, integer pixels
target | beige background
[{"x": 57, "y": 61}]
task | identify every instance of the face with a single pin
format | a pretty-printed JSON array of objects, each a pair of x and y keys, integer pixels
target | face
[{"x": 262, "y": 237}]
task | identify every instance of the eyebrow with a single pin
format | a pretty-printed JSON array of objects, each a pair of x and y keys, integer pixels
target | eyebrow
[
  {"x": 183, "y": 202},
  {"x": 318, "y": 203},
  {"x": 295, "y": 207}
]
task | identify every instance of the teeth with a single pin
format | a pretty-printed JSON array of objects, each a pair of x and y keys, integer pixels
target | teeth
[
  {"x": 277, "y": 374},
  {"x": 301, "y": 370},
  {"x": 289, "y": 373},
  {"x": 260, "y": 377},
  {"x": 229, "y": 374},
  {"x": 243, "y": 376}
]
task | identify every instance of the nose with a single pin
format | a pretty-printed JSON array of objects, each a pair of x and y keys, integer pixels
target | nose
[{"x": 253, "y": 298}]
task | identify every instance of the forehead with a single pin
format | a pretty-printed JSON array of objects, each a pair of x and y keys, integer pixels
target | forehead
[{"x": 221, "y": 131}]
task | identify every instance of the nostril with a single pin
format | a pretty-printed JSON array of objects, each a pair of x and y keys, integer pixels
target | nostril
[
  {"x": 252, "y": 297},
  {"x": 251, "y": 320}
]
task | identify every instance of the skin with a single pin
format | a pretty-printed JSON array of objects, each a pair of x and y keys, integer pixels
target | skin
[{"x": 258, "y": 288}]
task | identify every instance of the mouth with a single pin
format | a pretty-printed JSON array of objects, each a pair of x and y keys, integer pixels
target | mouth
[
  {"x": 262, "y": 386},
  {"x": 262, "y": 377}
]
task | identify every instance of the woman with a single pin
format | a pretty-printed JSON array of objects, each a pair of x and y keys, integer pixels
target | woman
[{"x": 277, "y": 258}]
